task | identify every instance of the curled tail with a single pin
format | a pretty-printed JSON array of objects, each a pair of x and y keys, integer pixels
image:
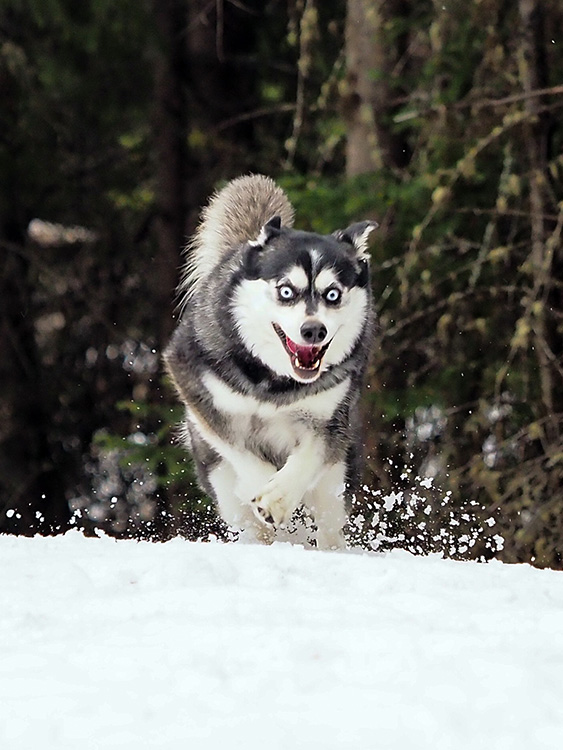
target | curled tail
[{"x": 234, "y": 215}]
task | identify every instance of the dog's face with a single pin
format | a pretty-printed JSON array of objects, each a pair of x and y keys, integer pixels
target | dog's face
[{"x": 301, "y": 303}]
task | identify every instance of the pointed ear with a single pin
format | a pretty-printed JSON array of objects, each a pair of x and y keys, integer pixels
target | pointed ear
[
  {"x": 357, "y": 236},
  {"x": 270, "y": 229}
]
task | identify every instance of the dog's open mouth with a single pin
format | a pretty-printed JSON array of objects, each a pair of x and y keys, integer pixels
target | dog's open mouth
[{"x": 305, "y": 359}]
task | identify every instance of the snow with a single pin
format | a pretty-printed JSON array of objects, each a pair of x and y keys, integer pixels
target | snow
[{"x": 118, "y": 644}]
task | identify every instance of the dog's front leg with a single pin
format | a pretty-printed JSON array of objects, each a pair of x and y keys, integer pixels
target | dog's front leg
[{"x": 283, "y": 493}]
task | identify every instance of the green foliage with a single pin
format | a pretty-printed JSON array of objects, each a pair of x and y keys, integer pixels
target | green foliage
[
  {"x": 325, "y": 204},
  {"x": 152, "y": 455},
  {"x": 157, "y": 452}
]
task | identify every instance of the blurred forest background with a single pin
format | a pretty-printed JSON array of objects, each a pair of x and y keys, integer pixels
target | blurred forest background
[{"x": 442, "y": 118}]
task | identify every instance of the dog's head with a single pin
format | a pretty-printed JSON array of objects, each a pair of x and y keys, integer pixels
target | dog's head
[{"x": 302, "y": 299}]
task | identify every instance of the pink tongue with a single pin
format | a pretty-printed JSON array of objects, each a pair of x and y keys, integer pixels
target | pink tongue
[{"x": 305, "y": 354}]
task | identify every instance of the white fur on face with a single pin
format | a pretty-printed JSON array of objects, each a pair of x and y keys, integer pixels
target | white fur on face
[
  {"x": 256, "y": 308},
  {"x": 325, "y": 278},
  {"x": 297, "y": 278},
  {"x": 345, "y": 324}
]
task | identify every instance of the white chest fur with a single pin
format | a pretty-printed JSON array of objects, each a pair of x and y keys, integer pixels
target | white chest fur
[{"x": 321, "y": 405}]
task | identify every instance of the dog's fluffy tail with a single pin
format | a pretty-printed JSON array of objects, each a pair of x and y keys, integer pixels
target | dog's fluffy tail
[{"x": 234, "y": 215}]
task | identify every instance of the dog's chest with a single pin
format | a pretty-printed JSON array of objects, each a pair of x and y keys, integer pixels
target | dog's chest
[{"x": 279, "y": 427}]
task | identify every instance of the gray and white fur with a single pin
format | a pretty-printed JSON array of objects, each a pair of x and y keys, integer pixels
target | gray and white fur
[{"x": 269, "y": 358}]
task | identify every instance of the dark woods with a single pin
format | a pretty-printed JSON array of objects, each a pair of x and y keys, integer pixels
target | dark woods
[{"x": 443, "y": 120}]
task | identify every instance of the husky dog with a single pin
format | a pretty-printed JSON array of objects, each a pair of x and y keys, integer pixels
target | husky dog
[{"x": 269, "y": 358}]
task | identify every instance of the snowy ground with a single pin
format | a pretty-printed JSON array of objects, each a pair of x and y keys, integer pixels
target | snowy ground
[{"x": 183, "y": 646}]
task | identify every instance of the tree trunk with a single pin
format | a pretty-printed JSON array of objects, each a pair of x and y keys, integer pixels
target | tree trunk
[
  {"x": 367, "y": 97},
  {"x": 170, "y": 138},
  {"x": 533, "y": 75},
  {"x": 32, "y": 489}
]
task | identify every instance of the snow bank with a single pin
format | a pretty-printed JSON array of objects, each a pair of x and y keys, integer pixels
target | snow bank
[{"x": 127, "y": 645}]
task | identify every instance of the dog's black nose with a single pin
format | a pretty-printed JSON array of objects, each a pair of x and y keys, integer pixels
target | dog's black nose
[{"x": 313, "y": 332}]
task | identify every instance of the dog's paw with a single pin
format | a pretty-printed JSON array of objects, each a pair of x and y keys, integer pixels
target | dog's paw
[{"x": 275, "y": 505}]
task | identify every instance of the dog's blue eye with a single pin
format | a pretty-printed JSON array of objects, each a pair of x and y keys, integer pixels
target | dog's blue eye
[
  {"x": 286, "y": 293},
  {"x": 333, "y": 296}
]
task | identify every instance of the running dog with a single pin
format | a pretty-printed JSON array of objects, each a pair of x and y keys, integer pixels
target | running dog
[{"x": 269, "y": 358}]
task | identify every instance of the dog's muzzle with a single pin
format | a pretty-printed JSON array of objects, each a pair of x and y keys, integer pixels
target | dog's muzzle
[{"x": 305, "y": 358}]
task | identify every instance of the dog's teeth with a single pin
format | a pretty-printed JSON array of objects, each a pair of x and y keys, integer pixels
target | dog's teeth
[{"x": 314, "y": 366}]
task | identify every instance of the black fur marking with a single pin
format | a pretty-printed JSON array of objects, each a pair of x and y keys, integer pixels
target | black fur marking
[
  {"x": 250, "y": 263},
  {"x": 363, "y": 277},
  {"x": 293, "y": 248},
  {"x": 251, "y": 367}
]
